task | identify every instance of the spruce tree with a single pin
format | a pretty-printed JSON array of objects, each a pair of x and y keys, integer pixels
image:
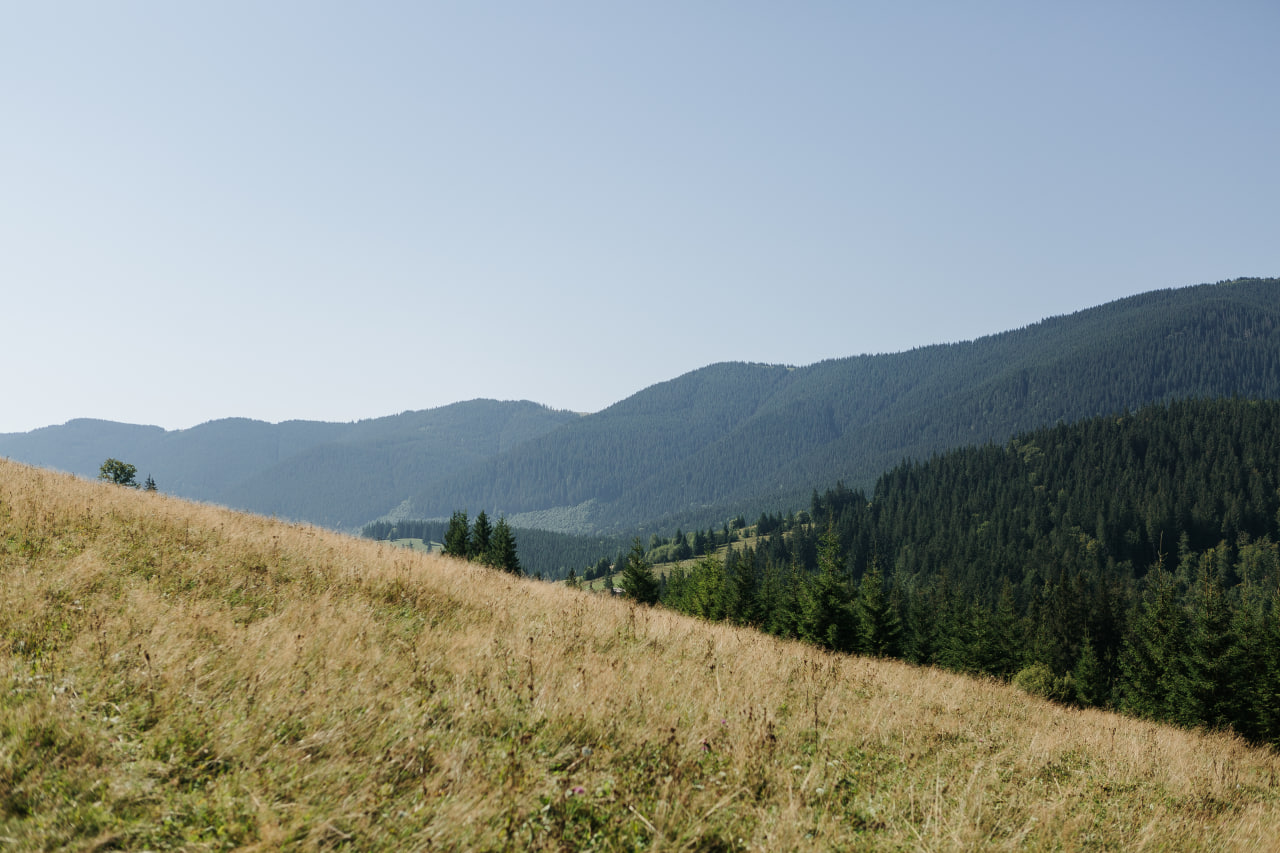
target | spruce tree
[
  {"x": 478, "y": 548},
  {"x": 1090, "y": 676},
  {"x": 1001, "y": 644},
  {"x": 879, "y": 626},
  {"x": 1208, "y": 690},
  {"x": 457, "y": 535},
  {"x": 1153, "y": 651},
  {"x": 638, "y": 580},
  {"x": 826, "y": 614},
  {"x": 502, "y": 548}
]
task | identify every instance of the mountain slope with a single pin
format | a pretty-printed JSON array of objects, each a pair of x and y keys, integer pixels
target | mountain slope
[
  {"x": 340, "y": 475},
  {"x": 740, "y": 435},
  {"x": 181, "y": 676},
  {"x": 1131, "y": 558},
  {"x": 722, "y": 440}
]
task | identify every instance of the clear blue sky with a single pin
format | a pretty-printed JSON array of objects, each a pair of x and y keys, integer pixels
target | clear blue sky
[{"x": 335, "y": 211}]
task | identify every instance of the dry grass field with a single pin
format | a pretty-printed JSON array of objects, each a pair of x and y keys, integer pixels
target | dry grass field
[{"x": 178, "y": 676}]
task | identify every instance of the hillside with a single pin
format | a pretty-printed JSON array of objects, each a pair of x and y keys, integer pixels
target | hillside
[
  {"x": 1132, "y": 560},
  {"x": 176, "y": 675},
  {"x": 338, "y": 475},
  {"x": 737, "y": 437},
  {"x": 726, "y": 439}
]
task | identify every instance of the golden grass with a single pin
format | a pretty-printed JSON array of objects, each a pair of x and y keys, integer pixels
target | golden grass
[{"x": 175, "y": 675}]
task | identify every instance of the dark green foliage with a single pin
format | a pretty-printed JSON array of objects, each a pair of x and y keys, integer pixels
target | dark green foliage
[
  {"x": 149, "y": 485},
  {"x": 457, "y": 539},
  {"x": 542, "y": 552},
  {"x": 492, "y": 545},
  {"x": 879, "y": 625},
  {"x": 1154, "y": 651},
  {"x": 1045, "y": 559},
  {"x": 1090, "y": 677},
  {"x": 1213, "y": 671},
  {"x": 826, "y": 611},
  {"x": 479, "y": 546},
  {"x": 120, "y": 473},
  {"x": 502, "y": 549},
  {"x": 638, "y": 580}
]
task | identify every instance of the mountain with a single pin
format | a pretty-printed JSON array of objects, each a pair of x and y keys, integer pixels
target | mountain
[
  {"x": 1132, "y": 559},
  {"x": 734, "y": 437},
  {"x": 726, "y": 439},
  {"x": 338, "y": 475}
]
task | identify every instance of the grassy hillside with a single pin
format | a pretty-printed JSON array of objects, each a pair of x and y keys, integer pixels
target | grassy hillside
[{"x": 175, "y": 675}]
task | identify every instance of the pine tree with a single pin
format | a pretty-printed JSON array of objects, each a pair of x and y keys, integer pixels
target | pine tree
[
  {"x": 879, "y": 626},
  {"x": 742, "y": 588},
  {"x": 1265, "y": 687},
  {"x": 1090, "y": 677},
  {"x": 826, "y": 615},
  {"x": 638, "y": 580},
  {"x": 478, "y": 548},
  {"x": 1209, "y": 676},
  {"x": 1153, "y": 651},
  {"x": 457, "y": 535},
  {"x": 1001, "y": 644},
  {"x": 502, "y": 548},
  {"x": 780, "y": 599}
]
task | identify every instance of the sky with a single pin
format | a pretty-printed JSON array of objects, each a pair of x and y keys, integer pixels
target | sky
[{"x": 336, "y": 211}]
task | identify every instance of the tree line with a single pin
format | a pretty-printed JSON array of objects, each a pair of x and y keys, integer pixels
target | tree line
[
  {"x": 484, "y": 542},
  {"x": 544, "y": 554},
  {"x": 1129, "y": 562}
]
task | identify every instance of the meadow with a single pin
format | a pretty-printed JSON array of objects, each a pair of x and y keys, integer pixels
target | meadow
[{"x": 179, "y": 676}]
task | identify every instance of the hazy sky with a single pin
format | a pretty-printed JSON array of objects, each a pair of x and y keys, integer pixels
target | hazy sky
[{"x": 335, "y": 211}]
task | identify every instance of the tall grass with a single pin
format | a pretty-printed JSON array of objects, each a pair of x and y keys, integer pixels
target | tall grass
[{"x": 174, "y": 675}]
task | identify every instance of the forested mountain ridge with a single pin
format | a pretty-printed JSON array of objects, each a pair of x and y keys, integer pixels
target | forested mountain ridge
[
  {"x": 726, "y": 439},
  {"x": 1129, "y": 561},
  {"x": 336, "y": 474},
  {"x": 738, "y": 437}
]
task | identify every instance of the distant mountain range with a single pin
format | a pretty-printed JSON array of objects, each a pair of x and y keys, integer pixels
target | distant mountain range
[
  {"x": 333, "y": 474},
  {"x": 718, "y": 441}
]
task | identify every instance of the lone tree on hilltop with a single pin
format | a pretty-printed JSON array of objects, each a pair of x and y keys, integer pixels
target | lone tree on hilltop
[{"x": 120, "y": 473}]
